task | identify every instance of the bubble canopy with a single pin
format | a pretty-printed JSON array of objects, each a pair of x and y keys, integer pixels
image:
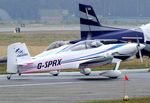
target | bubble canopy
[{"x": 83, "y": 45}]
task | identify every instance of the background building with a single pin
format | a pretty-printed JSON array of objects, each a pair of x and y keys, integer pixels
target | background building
[{"x": 67, "y": 10}]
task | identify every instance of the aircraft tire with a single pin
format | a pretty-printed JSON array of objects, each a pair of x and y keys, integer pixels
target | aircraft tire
[
  {"x": 8, "y": 77},
  {"x": 19, "y": 74},
  {"x": 55, "y": 74},
  {"x": 113, "y": 77}
]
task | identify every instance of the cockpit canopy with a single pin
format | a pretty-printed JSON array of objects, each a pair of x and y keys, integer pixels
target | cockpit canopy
[{"x": 83, "y": 45}]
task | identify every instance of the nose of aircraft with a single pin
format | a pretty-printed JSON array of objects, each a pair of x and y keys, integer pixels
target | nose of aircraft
[{"x": 141, "y": 46}]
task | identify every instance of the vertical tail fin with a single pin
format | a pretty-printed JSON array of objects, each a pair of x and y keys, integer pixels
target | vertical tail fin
[
  {"x": 91, "y": 28},
  {"x": 16, "y": 53},
  {"x": 88, "y": 21}
]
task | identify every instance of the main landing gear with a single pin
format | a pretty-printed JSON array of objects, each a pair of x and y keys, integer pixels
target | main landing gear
[
  {"x": 10, "y": 75},
  {"x": 55, "y": 73},
  {"x": 113, "y": 74},
  {"x": 85, "y": 71}
]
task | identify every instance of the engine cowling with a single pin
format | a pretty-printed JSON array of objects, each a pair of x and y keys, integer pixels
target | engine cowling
[
  {"x": 85, "y": 71},
  {"x": 111, "y": 73},
  {"x": 55, "y": 73}
]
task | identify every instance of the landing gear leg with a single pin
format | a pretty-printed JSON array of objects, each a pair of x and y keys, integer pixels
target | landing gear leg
[
  {"x": 113, "y": 74},
  {"x": 116, "y": 68},
  {"x": 117, "y": 61},
  {"x": 9, "y": 76}
]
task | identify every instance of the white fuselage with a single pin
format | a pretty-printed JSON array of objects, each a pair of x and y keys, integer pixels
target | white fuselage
[{"x": 68, "y": 59}]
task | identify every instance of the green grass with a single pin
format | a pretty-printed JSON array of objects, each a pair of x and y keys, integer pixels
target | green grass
[
  {"x": 2, "y": 69},
  {"x": 132, "y": 100},
  {"x": 38, "y": 38}
]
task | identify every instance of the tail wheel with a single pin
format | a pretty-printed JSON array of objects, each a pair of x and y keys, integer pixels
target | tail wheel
[
  {"x": 8, "y": 76},
  {"x": 19, "y": 74}
]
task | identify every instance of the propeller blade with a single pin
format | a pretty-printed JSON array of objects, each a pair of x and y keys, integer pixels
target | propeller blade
[
  {"x": 139, "y": 50},
  {"x": 140, "y": 54}
]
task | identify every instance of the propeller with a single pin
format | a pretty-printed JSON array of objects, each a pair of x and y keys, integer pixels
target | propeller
[{"x": 139, "y": 50}]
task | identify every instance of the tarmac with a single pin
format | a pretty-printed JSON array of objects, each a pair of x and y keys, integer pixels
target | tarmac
[{"x": 72, "y": 87}]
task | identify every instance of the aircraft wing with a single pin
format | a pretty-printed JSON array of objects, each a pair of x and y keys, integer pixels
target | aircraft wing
[{"x": 97, "y": 61}]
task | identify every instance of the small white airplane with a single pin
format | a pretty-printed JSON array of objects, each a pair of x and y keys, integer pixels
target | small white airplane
[{"x": 81, "y": 55}]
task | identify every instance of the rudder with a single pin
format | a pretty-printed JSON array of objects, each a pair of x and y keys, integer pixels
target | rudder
[
  {"x": 16, "y": 53},
  {"x": 88, "y": 21}
]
